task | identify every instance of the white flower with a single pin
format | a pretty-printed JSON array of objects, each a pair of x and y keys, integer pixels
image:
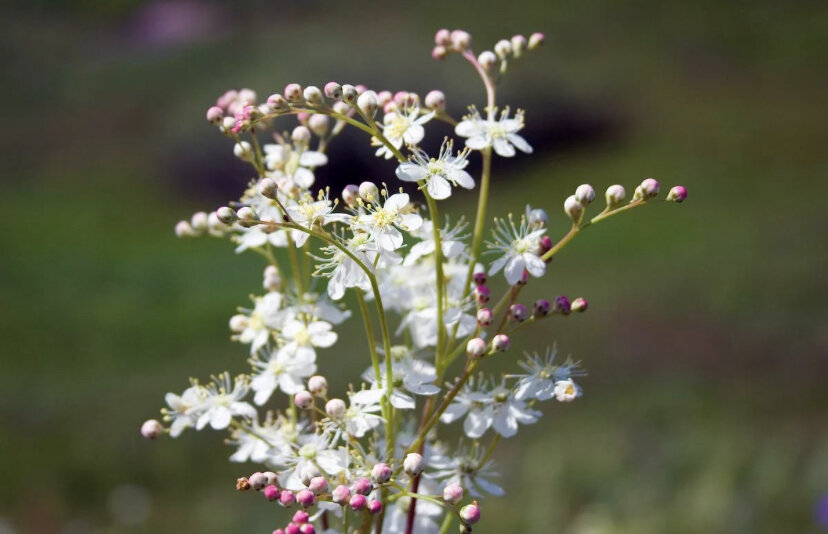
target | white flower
[
  {"x": 467, "y": 469},
  {"x": 496, "y": 408},
  {"x": 501, "y": 134},
  {"x": 309, "y": 213},
  {"x": 408, "y": 375},
  {"x": 301, "y": 338},
  {"x": 296, "y": 164},
  {"x": 266, "y": 316},
  {"x": 311, "y": 451},
  {"x": 438, "y": 174},
  {"x": 223, "y": 402},
  {"x": 382, "y": 222},
  {"x": 359, "y": 418},
  {"x": 567, "y": 390},
  {"x": 451, "y": 242},
  {"x": 542, "y": 375},
  {"x": 184, "y": 409},
  {"x": 519, "y": 246},
  {"x": 257, "y": 236},
  {"x": 284, "y": 370},
  {"x": 342, "y": 270},
  {"x": 402, "y": 126},
  {"x": 260, "y": 443}
]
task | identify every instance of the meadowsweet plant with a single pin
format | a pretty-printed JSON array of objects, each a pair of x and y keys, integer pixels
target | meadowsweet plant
[{"x": 437, "y": 299}]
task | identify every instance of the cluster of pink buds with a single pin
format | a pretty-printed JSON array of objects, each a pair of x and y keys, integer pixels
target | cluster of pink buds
[
  {"x": 446, "y": 42},
  {"x": 299, "y": 525}
]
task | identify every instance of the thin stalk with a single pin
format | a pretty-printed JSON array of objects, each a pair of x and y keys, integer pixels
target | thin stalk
[{"x": 444, "y": 528}]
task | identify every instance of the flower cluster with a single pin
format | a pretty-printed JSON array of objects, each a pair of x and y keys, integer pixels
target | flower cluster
[{"x": 376, "y": 457}]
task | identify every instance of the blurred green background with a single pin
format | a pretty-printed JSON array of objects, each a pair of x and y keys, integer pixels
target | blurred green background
[{"x": 706, "y": 406}]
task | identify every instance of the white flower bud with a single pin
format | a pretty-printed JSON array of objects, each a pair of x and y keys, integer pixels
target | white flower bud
[
  {"x": 293, "y": 92},
  {"x": 442, "y": 37},
  {"x": 439, "y": 52},
  {"x": 301, "y": 136},
  {"x": 272, "y": 281},
  {"x": 574, "y": 209},
  {"x": 341, "y": 107},
  {"x": 313, "y": 95},
  {"x": 615, "y": 195},
  {"x": 566, "y": 390},
  {"x": 487, "y": 59},
  {"x": 183, "y": 229},
  {"x": 257, "y": 480},
  {"x": 214, "y": 225},
  {"x": 151, "y": 429},
  {"x": 367, "y": 103},
  {"x": 677, "y": 194},
  {"x": 267, "y": 187},
  {"x": 215, "y": 114},
  {"x": 503, "y": 48},
  {"x": 501, "y": 342},
  {"x": 335, "y": 408},
  {"x": 270, "y": 477},
  {"x": 277, "y": 103},
  {"x": 647, "y": 190},
  {"x": 246, "y": 216},
  {"x": 319, "y": 124},
  {"x": 435, "y": 100},
  {"x": 453, "y": 493},
  {"x": 199, "y": 221},
  {"x": 460, "y": 40},
  {"x": 585, "y": 194},
  {"x": 349, "y": 93},
  {"x": 243, "y": 150},
  {"x": 476, "y": 348},
  {"x": 413, "y": 464},
  {"x": 227, "y": 123},
  {"x": 226, "y": 215},
  {"x": 369, "y": 192},
  {"x": 238, "y": 323},
  {"x": 317, "y": 385},
  {"x": 536, "y": 40},
  {"x": 247, "y": 96},
  {"x": 518, "y": 45},
  {"x": 303, "y": 400},
  {"x": 333, "y": 90},
  {"x": 350, "y": 193}
]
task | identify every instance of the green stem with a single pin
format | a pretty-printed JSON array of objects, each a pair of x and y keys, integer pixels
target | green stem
[
  {"x": 372, "y": 346},
  {"x": 444, "y": 528},
  {"x": 438, "y": 266}
]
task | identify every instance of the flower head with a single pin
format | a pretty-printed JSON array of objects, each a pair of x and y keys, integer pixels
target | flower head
[
  {"x": 518, "y": 246},
  {"x": 500, "y": 134},
  {"x": 438, "y": 174}
]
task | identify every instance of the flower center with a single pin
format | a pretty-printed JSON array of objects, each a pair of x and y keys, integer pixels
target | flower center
[
  {"x": 397, "y": 126},
  {"x": 302, "y": 337}
]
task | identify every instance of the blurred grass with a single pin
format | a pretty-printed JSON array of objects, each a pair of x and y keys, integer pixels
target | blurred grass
[{"x": 705, "y": 340}]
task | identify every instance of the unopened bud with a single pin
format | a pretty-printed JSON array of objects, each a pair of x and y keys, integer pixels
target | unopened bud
[
  {"x": 349, "y": 93},
  {"x": 341, "y": 494},
  {"x": 439, "y": 52},
  {"x": 435, "y": 100},
  {"x": 503, "y": 48},
  {"x": 479, "y": 278},
  {"x": 350, "y": 193},
  {"x": 303, "y": 400},
  {"x": 363, "y": 486},
  {"x": 545, "y": 245},
  {"x": 524, "y": 278},
  {"x": 313, "y": 95},
  {"x": 453, "y": 493},
  {"x": 518, "y": 45},
  {"x": 482, "y": 294},
  {"x": 151, "y": 429},
  {"x": 677, "y": 194},
  {"x": 476, "y": 348},
  {"x": 305, "y": 498},
  {"x": 257, "y": 480},
  {"x": 536, "y": 40},
  {"x": 501, "y": 342},
  {"x": 518, "y": 312},
  {"x": 238, "y": 323},
  {"x": 369, "y": 192},
  {"x": 271, "y": 279},
  {"x": 247, "y": 216},
  {"x": 301, "y": 517},
  {"x": 301, "y": 136},
  {"x": 199, "y": 221},
  {"x": 413, "y": 464},
  {"x": 277, "y": 103},
  {"x": 333, "y": 90},
  {"x": 268, "y": 187},
  {"x": 287, "y": 498},
  {"x": 226, "y": 215},
  {"x": 561, "y": 305},
  {"x": 318, "y": 485},
  {"x": 271, "y": 477},
  {"x": 215, "y": 114},
  {"x": 615, "y": 195},
  {"x": 647, "y": 190},
  {"x": 541, "y": 308},
  {"x": 271, "y": 492},
  {"x": 367, "y": 103},
  {"x": 580, "y": 305},
  {"x": 484, "y": 317},
  {"x": 374, "y": 506},
  {"x": 184, "y": 229},
  {"x": 470, "y": 514},
  {"x": 381, "y": 473},
  {"x": 487, "y": 59},
  {"x": 242, "y": 484},
  {"x": 293, "y": 92},
  {"x": 319, "y": 124},
  {"x": 358, "y": 502},
  {"x": 585, "y": 194},
  {"x": 243, "y": 150},
  {"x": 574, "y": 209},
  {"x": 335, "y": 408},
  {"x": 460, "y": 40},
  {"x": 442, "y": 37},
  {"x": 317, "y": 385}
]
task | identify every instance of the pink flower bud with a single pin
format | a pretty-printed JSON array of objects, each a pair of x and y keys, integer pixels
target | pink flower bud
[
  {"x": 363, "y": 486},
  {"x": 561, "y": 305},
  {"x": 215, "y": 114},
  {"x": 287, "y": 498},
  {"x": 303, "y": 400},
  {"x": 484, "y": 317},
  {"x": 476, "y": 348},
  {"x": 453, "y": 493},
  {"x": 442, "y": 37},
  {"x": 479, "y": 278},
  {"x": 541, "y": 308},
  {"x": 545, "y": 245},
  {"x": 518, "y": 45},
  {"x": 460, "y": 40},
  {"x": 524, "y": 279},
  {"x": 439, "y": 52},
  {"x": 293, "y": 92},
  {"x": 300, "y": 517},
  {"x": 271, "y": 492},
  {"x": 279, "y": 531},
  {"x": 413, "y": 464},
  {"x": 579, "y": 305},
  {"x": 435, "y": 100},
  {"x": 318, "y": 485},
  {"x": 333, "y": 90},
  {"x": 358, "y": 502},
  {"x": 335, "y": 408},
  {"x": 518, "y": 312},
  {"x": 307, "y": 529},
  {"x": 503, "y": 49},
  {"x": 649, "y": 188},
  {"x": 536, "y": 40},
  {"x": 470, "y": 514},
  {"x": 151, "y": 429},
  {"x": 374, "y": 506},
  {"x": 384, "y": 97},
  {"x": 482, "y": 294},
  {"x": 677, "y": 194},
  {"x": 317, "y": 385},
  {"x": 585, "y": 194},
  {"x": 277, "y": 103},
  {"x": 615, "y": 195},
  {"x": 292, "y": 528},
  {"x": 257, "y": 480},
  {"x": 501, "y": 342},
  {"x": 305, "y": 498},
  {"x": 381, "y": 473},
  {"x": 341, "y": 494}
]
